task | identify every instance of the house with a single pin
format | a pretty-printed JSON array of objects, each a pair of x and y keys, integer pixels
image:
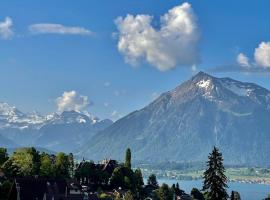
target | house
[{"x": 36, "y": 188}]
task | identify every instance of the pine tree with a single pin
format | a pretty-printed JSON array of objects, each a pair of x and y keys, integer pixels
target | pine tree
[
  {"x": 214, "y": 177},
  {"x": 128, "y": 159},
  {"x": 235, "y": 195}
]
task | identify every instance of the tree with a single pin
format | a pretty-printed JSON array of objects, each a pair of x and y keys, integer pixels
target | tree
[
  {"x": 36, "y": 160},
  {"x": 3, "y": 156},
  {"x": 62, "y": 165},
  {"x": 128, "y": 196},
  {"x": 46, "y": 167},
  {"x": 177, "y": 190},
  {"x": 164, "y": 192},
  {"x": 196, "y": 194},
  {"x": 71, "y": 164},
  {"x": 128, "y": 159},
  {"x": 214, "y": 177},
  {"x": 138, "y": 179},
  {"x": 152, "y": 180},
  {"x": 117, "y": 178},
  {"x": 23, "y": 161},
  {"x": 235, "y": 195},
  {"x": 10, "y": 170}
]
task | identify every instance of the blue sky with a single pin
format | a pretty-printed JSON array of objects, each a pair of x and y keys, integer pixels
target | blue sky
[{"x": 39, "y": 64}]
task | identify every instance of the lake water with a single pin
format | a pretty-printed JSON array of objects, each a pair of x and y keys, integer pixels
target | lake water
[{"x": 247, "y": 191}]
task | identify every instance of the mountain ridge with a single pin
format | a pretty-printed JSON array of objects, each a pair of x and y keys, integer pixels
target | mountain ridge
[
  {"x": 200, "y": 113},
  {"x": 58, "y": 132}
]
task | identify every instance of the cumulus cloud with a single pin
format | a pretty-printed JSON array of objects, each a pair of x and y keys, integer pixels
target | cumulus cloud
[
  {"x": 6, "y": 28},
  {"x": 262, "y": 54},
  {"x": 243, "y": 60},
  {"x": 72, "y": 101},
  {"x": 46, "y": 28},
  {"x": 173, "y": 44}
]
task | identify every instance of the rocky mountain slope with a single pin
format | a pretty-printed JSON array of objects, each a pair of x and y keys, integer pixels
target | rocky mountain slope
[
  {"x": 58, "y": 132},
  {"x": 185, "y": 123}
]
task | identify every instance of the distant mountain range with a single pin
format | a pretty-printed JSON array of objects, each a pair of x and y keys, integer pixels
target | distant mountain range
[
  {"x": 181, "y": 125},
  {"x": 185, "y": 123},
  {"x": 57, "y": 132}
]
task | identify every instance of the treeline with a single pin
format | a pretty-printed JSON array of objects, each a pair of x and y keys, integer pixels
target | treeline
[{"x": 30, "y": 162}]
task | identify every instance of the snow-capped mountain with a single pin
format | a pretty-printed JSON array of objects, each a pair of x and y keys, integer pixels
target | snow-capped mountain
[
  {"x": 59, "y": 132},
  {"x": 185, "y": 123}
]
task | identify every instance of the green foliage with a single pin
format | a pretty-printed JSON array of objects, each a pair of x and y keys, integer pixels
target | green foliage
[
  {"x": 128, "y": 196},
  {"x": 164, "y": 193},
  {"x": 138, "y": 183},
  {"x": 71, "y": 164},
  {"x": 123, "y": 177},
  {"x": 117, "y": 178},
  {"x": 104, "y": 196},
  {"x": 3, "y": 156},
  {"x": 128, "y": 159},
  {"x": 10, "y": 170},
  {"x": 25, "y": 161},
  {"x": 46, "y": 167},
  {"x": 196, "y": 194},
  {"x": 214, "y": 177},
  {"x": 152, "y": 180},
  {"x": 62, "y": 165},
  {"x": 235, "y": 195},
  {"x": 29, "y": 162}
]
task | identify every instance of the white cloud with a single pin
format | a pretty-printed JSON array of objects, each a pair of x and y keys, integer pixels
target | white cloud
[
  {"x": 243, "y": 60},
  {"x": 72, "y": 101},
  {"x": 262, "y": 54},
  {"x": 174, "y": 44},
  {"x": 5, "y": 28},
  {"x": 45, "y": 28}
]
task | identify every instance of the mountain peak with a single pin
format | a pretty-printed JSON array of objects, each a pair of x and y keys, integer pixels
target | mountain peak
[{"x": 201, "y": 76}]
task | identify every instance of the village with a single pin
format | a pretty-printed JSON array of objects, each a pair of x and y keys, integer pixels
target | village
[{"x": 85, "y": 180}]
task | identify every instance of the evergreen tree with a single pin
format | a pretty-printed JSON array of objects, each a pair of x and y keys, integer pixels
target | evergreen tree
[
  {"x": 164, "y": 192},
  {"x": 235, "y": 195},
  {"x": 71, "y": 165},
  {"x": 152, "y": 180},
  {"x": 214, "y": 177},
  {"x": 3, "y": 156},
  {"x": 128, "y": 159},
  {"x": 177, "y": 190},
  {"x": 138, "y": 183},
  {"x": 196, "y": 194}
]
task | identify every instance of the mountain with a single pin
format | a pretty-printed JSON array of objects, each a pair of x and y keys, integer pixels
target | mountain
[
  {"x": 69, "y": 130},
  {"x": 4, "y": 142},
  {"x": 58, "y": 132},
  {"x": 185, "y": 123}
]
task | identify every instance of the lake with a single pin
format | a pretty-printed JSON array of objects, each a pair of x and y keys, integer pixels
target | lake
[{"x": 247, "y": 191}]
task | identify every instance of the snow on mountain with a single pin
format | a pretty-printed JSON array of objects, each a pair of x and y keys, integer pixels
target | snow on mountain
[
  {"x": 65, "y": 130},
  {"x": 185, "y": 123}
]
